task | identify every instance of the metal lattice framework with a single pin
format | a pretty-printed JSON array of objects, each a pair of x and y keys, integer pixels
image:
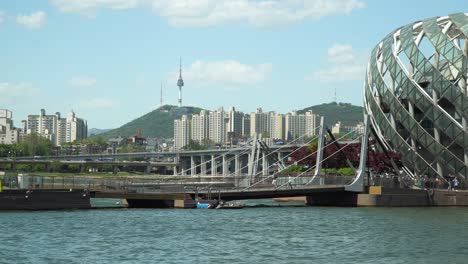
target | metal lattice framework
[{"x": 416, "y": 94}]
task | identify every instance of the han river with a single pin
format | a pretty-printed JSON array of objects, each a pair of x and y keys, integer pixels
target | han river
[{"x": 287, "y": 234}]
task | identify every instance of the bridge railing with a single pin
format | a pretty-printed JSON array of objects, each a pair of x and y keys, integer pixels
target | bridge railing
[
  {"x": 152, "y": 184},
  {"x": 127, "y": 184},
  {"x": 324, "y": 179}
]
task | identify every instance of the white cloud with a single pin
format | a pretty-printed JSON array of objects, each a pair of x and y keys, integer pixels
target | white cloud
[
  {"x": 11, "y": 91},
  {"x": 260, "y": 13},
  {"x": 225, "y": 72},
  {"x": 96, "y": 103},
  {"x": 33, "y": 21},
  {"x": 344, "y": 65},
  {"x": 341, "y": 53},
  {"x": 201, "y": 13},
  {"x": 351, "y": 72},
  {"x": 89, "y": 7},
  {"x": 82, "y": 81}
]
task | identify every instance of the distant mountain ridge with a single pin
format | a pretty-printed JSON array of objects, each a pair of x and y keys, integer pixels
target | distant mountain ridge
[
  {"x": 97, "y": 131},
  {"x": 160, "y": 122},
  {"x": 348, "y": 114}
]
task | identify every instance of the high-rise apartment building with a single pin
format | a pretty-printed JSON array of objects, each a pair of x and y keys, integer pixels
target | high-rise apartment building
[
  {"x": 277, "y": 126},
  {"x": 181, "y": 132},
  {"x": 311, "y": 123},
  {"x": 260, "y": 123},
  {"x": 8, "y": 134},
  {"x": 246, "y": 125},
  {"x": 76, "y": 129},
  {"x": 200, "y": 127},
  {"x": 56, "y": 129},
  {"x": 217, "y": 126},
  {"x": 298, "y": 125},
  {"x": 221, "y": 127},
  {"x": 235, "y": 122}
]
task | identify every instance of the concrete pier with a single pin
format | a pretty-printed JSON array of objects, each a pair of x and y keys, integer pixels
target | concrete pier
[{"x": 377, "y": 196}]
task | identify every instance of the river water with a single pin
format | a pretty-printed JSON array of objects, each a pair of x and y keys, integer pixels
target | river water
[{"x": 250, "y": 235}]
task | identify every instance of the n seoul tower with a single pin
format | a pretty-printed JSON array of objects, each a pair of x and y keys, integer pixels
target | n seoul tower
[{"x": 180, "y": 83}]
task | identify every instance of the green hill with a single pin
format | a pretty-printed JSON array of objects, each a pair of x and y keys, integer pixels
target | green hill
[
  {"x": 157, "y": 123},
  {"x": 348, "y": 114},
  {"x": 160, "y": 122}
]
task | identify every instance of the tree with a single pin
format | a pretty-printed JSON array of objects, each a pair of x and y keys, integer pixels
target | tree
[
  {"x": 378, "y": 161},
  {"x": 129, "y": 148},
  {"x": 31, "y": 145},
  {"x": 194, "y": 145},
  {"x": 98, "y": 141},
  {"x": 35, "y": 145},
  {"x": 265, "y": 134}
]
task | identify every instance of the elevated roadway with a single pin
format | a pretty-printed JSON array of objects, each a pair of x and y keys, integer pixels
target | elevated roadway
[{"x": 144, "y": 155}]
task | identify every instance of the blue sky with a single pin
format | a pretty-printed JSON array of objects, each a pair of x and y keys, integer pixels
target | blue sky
[{"x": 106, "y": 59}]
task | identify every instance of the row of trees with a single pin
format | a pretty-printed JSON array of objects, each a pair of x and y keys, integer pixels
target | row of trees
[
  {"x": 305, "y": 157},
  {"x": 35, "y": 145},
  {"x": 31, "y": 145}
]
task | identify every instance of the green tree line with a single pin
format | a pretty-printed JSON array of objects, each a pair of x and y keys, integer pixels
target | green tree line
[
  {"x": 31, "y": 145},
  {"x": 35, "y": 145}
]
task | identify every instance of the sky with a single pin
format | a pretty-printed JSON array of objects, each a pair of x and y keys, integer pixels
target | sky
[{"x": 107, "y": 59}]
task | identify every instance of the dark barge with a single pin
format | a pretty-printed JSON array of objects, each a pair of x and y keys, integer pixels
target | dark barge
[{"x": 44, "y": 199}]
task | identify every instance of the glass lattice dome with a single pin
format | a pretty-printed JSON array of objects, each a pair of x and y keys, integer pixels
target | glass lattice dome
[{"x": 416, "y": 94}]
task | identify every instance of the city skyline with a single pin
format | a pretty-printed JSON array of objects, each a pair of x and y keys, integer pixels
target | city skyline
[
  {"x": 106, "y": 60},
  {"x": 221, "y": 126}
]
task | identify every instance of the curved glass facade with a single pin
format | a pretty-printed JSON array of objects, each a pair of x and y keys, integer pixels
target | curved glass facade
[{"x": 416, "y": 94}]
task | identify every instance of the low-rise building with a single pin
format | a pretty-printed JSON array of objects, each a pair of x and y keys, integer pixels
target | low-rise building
[
  {"x": 336, "y": 129},
  {"x": 8, "y": 133},
  {"x": 57, "y": 129}
]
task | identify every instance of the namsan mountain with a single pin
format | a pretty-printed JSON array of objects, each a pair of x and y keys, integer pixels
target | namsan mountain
[
  {"x": 159, "y": 123},
  {"x": 346, "y": 113}
]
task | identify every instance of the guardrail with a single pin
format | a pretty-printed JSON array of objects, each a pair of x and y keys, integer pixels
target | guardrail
[{"x": 161, "y": 184}]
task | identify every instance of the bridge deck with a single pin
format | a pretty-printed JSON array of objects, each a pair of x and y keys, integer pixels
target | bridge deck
[
  {"x": 262, "y": 193},
  {"x": 274, "y": 193}
]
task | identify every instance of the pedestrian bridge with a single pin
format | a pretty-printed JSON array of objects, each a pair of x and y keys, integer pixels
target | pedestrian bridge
[{"x": 262, "y": 176}]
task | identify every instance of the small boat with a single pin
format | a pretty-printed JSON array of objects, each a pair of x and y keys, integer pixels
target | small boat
[
  {"x": 230, "y": 206},
  {"x": 204, "y": 205}
]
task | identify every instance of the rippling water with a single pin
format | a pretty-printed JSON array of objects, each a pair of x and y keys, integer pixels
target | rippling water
[{"x": 250, "y": 235}]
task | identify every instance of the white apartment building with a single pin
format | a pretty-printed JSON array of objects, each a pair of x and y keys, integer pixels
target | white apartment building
[
  {"x": 56, "y": 129},
  {"x": 200, "y": 127},
  {"x": 298, "y": 125},
  {"x": 259, "y": 122},
  {"x": 8, "y": 134},
  {"x": 217, "y": 126},
  {"x": 311, "y": 123},
  {"x": 181, "y": 132},
  {"x": 270, "y": 124},
  {"x": 76, "y": 129},
  {"x": 277, "y": 126}
]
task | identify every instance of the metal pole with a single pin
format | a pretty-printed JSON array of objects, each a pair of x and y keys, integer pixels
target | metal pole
[
  {"x": 318, "y": 162},
  {"x": 358, "y": 184}
]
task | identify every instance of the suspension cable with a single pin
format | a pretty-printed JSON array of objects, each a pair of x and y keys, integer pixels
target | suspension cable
[
  {"x": 323, "y": 160},
  {"x": 275, "y": 174},
  {"x": 286, "y": 156},
  {"x": 246, "y": 151}
]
